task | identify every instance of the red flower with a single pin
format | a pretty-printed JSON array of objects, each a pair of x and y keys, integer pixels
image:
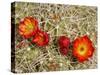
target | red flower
[
  {"x": 83, "y": 48},
  {"x": 41, "y": 38},
  {"x": 64, "y": 43},
  {"x": 28, "y": 27}
]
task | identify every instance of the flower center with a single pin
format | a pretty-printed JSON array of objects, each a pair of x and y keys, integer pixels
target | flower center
[
  {"x": 40, "y": 39},
  {"x": 82, "y": 50},
  {"x": 30, "y": 27}
]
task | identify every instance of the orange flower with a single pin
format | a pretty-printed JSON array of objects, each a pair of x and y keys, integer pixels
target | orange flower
[
  {"x": 83, "y": 48},
  {"x": 28, "y": 27},
  {"x": 41, "y": 38}
]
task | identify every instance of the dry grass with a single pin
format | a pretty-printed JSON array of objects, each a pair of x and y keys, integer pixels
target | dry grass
[{"x": 69, "y": 20}]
